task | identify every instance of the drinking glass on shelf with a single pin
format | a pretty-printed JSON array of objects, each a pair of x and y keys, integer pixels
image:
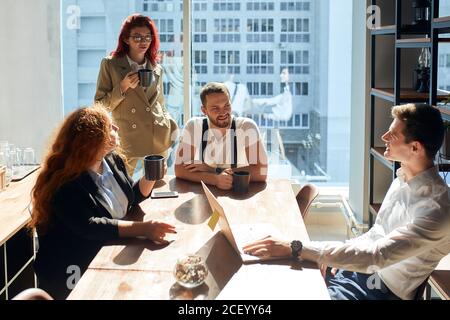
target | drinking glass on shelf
[
  {"x": 3, "y": 144},
  {"x": 4, "y": 148},
  {"x": 19, "y": 153},
  {"x": 14, "y": 161},
  {"x": 29, "y": 157},
  {"x": 5, "y": 160}
]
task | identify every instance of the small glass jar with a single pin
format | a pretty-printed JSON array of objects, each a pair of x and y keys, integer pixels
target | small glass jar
[{"x": 191, "y": 271}]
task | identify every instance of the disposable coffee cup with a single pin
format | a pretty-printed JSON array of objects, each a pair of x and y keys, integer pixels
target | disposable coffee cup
[
  {"x": 241, "y": 181},
  {"x": 145, "y": 77},
  {"x": 154, "y": 167}
]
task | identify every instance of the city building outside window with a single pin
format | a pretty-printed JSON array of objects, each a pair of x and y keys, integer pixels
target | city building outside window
[
  {"x": 200, "y": 61},
  {"x": 226, "y": 30},
  {"x": 200, "y": 28},
  {"x": 260, "y": 62},
  {"x": 297, "y": 62},
  {"x": 227, "y": 62},
  {"x": 295, "y": 6},
  {"x": 301, "y": 88},
  {"x": 157, "y": 5},
  {"x": 260, "y": 30},
  {"x": 201, "y": 6},
  {"x": 257, "y": 5},
  {"x": 295, "y": 30},
  {"x": 165, "y": 29},
  {"x": 227, "y": 5},
  {"x": 260, "y": 88}
]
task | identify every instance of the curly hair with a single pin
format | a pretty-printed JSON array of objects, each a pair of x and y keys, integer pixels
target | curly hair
[{"x": 75, "y": 148}]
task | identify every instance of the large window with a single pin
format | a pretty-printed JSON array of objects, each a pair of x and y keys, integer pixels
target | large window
[
  {"x": 301, "y": 88},
  {"x": 226, "y": 30},
  {"x": 200, "y": 61},
  {"x": 260, "y": 62},
  {"x": 294, "y": 5},
  {"x": 226, "y": 5},
  {"x": 257, "y": 5},
  {"x": 260, "y": 30},
  {"x": 155, "y": 5},
  {"x": 226, "y": 62},
  {"x": 295, "y": 30},
  {"x": 288, "y": 72},
  {"x": 166, "y": 30},
  {"x": 260, "y": 88},
  {"x": 296, "y": 62},
  {"x": 200, "y": 30},
  {"x": 201, "y": 5}
]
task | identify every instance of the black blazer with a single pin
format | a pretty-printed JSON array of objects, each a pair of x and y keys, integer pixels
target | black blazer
[{"x": 79, "y": 227}]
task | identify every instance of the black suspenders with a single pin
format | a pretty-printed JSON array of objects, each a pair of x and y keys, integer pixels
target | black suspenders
[{"x": 233, "y": 141}]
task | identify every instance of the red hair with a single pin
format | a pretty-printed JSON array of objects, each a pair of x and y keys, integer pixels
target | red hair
[
  {"x": 75, "y": 148},
  {"x": 134, "y": 21}
]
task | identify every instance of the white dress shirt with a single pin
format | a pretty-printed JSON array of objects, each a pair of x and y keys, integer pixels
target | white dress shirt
[
  {"x": 136, "y": 66},
  {"x": 410, "y": 236},
  {"x": 111, "y": 191},
  {"x": 218, "y": 151}
]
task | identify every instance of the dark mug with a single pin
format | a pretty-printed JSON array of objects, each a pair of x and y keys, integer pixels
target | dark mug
[
  {"x": 154, "y": 167},
  {"x": 241, "y": 181},
  {"x": 145, "y": 77}
]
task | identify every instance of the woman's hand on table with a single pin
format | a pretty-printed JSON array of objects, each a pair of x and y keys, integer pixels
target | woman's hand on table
[{"x": 157, "y": 231}]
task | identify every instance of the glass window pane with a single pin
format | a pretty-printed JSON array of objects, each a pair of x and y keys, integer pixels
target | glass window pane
[{"x": 267, "y": 69}]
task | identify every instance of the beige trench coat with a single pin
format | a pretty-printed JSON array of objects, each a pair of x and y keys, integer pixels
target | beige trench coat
[{"x": 145, "y": 126}]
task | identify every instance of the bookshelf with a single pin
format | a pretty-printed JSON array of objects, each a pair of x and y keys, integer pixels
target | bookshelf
[{"x": 395, "y": 48}]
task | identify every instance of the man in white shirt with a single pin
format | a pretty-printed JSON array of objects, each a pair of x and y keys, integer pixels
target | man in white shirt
[
  {"x": 211, "y": 148},
  {"x": 412, "y": 230}
]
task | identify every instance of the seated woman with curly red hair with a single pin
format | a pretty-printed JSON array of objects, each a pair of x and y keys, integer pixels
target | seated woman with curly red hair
[{"x": 82, "y": 193}]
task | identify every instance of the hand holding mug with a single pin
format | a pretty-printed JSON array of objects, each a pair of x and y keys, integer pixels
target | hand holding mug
[
  {"x": 224, "y": 181},
  {"x": 154, "y": 167},
  {"x": 131, "y": 80}
]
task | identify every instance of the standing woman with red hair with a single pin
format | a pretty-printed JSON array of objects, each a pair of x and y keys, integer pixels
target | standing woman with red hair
[
  {"x": 80, "y": 197},
  {"x": 146, "y": 126}
]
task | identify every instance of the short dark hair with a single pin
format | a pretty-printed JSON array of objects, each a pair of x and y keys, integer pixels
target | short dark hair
[
  {"x": 212, "y": 87},
  {"x": 424, "y": 124}
]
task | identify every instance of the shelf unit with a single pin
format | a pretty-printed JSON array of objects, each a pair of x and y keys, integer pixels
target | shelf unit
[{"x": 395, "y": 49}]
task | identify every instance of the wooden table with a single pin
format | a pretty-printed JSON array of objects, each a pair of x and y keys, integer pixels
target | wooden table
[
  {"x": 14, "y": 203},
  {"x": 140, "y": 269},
  {"x": 16, "y": 246},
  {"x": 440, "y": 279}
]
